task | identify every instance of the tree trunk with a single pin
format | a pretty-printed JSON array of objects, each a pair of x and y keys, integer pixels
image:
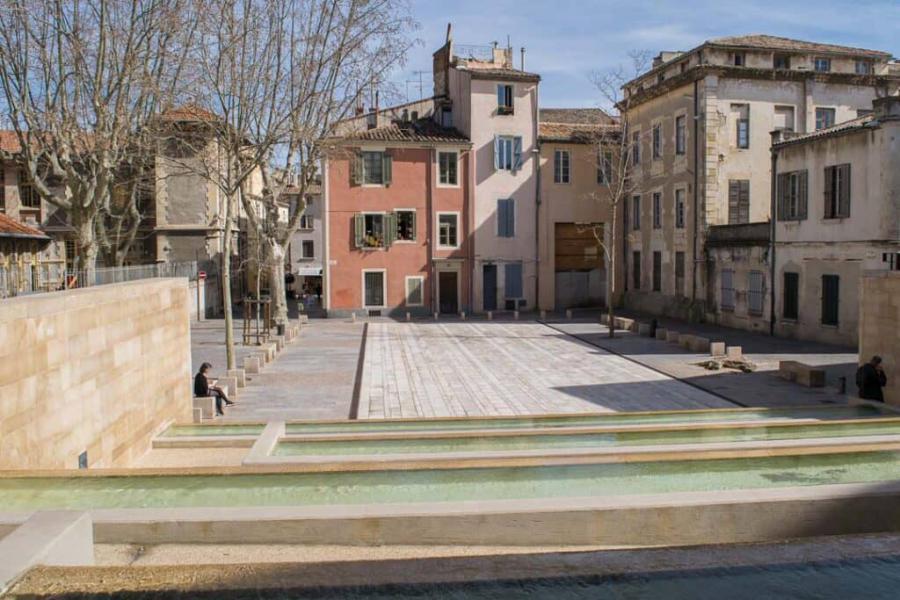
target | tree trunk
[
  {"x": 275, "y": 267},
  {"x": 611, "y": 274},
  {"x": 86, "y": 248},
  {"x": 226, "y": 286}
]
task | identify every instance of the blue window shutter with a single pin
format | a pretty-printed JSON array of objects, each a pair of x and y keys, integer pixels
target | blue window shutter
[
  {"x": 510, "y": 218},
  {"x": 496, "y": 152},
  {"x": 517, "y": 153},
  {"x": 513, "y": 284},
  {"x": 501, "y": 218}
]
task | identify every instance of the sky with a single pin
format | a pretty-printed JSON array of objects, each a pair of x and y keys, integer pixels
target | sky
[{"x": 568, "y": 40}]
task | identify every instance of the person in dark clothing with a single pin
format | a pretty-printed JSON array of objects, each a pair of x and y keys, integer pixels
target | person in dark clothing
[
  {"x": 870, "y": 378},
  {"x": 202, "y": 389}
]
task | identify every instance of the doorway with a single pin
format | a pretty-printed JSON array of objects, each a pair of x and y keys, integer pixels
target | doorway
[
  {"x": 448, "y": 292},
  {"x": 489, "y": 276}
]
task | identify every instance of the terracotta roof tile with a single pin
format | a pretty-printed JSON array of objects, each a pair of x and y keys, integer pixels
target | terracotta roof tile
[
  {"x": 582, "y": 116},
  {"x": 9, "y": 141},
  {"x": 9, "y": 227},
  {"x": 423, "y": 130},
  {"x": 853, "y": 124},
  {"x": 188, "y": 112},
  {"x": 780, "y": 43}
]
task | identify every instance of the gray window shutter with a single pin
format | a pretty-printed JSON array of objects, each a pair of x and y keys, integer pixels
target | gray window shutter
[
  {"x": 803, "y": 176},
  {"x": 390, "y": 229},
  {"x": 779, "y": 196},
  {"x": 734, "y": 194},
  {"x": 356, "y": 169},
  {"x": 844, "y": 208},
  {"x": 496, "y": 152},
  {"x": 359, "y": 230},
  {"x": 386, "y": 167},
  {"x": 517, "y": 153},
  {"x": 415, "y": 233},
  {"x": 744, "y": 201},
  {"x": 510, "y": 218},
  {"x": 829, "y": 192}
]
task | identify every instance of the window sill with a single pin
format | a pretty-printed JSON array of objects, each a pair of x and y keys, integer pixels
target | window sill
[
  {"x": 447, "y": 247},
  {"x": 406, "y": 242},
  {"x": 447, "y": 185},
  {"x": 835, "y": 326},
  {"x": 371, "y": 248}
]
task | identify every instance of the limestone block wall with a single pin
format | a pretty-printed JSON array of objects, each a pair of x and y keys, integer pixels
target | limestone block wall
[
  {"x": 879, "y": 326},
  {"x": 98, "y": 369}
]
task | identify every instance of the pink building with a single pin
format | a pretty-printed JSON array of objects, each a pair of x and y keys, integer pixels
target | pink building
[{"x": 397, "y": 203}]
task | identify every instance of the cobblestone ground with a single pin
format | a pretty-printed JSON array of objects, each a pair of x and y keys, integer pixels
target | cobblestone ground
[{"x": 427, "y": 369}]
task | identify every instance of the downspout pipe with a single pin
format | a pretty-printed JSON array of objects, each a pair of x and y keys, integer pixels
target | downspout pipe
[
  {"x": 537, "y": 201},
  {"x": 696, "y": 210},
  {"x": 776, "y": 137}
]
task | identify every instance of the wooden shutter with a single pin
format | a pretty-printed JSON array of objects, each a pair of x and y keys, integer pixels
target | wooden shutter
[
  {"x": 829, "y": 193},
  {"x": 844, "y": 199},
  {"x": 802, "y": 187},
  {"x": 517, "y": 153},
  {"x": 390, "y": 229},
  {"x": 386, "y": 168},
  {"x": 496, "y": 152},
  {"x": 781, "y": 186},
  {"x": 511, "y": 218},
  {"x": 359, "y": 230},
  {"x": 356, "y": 169},
  {"x": 744, "y": 201},
  {"x": 734, "y": 193}
]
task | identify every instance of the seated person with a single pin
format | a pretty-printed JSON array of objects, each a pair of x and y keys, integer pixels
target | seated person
[{"x": 202, "y": 389}]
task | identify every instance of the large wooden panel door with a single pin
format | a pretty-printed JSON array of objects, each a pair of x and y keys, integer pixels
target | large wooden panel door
[{"x": 448, "y": 297}]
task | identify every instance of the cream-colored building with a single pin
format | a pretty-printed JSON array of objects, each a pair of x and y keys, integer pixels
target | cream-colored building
[
  {"x": 573, "y": 208},
  {"x": 703, "y": 119},
  {"x": 837, "y": 218}
]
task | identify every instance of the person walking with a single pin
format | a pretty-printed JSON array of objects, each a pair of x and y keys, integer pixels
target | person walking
[
  {"x": 202, "y": 388},
  {"x": 870, "y": 378}
]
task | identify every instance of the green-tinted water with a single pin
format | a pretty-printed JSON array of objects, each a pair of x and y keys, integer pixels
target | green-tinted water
[
  {"x": 590, "y": 420},
  {"x": 292, "y": 489},
  {"x": 542, "y": 442},
  {"x": 212, "y": 430}
]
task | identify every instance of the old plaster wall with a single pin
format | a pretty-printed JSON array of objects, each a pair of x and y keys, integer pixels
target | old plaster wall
[{"x": 879, "y": 326}]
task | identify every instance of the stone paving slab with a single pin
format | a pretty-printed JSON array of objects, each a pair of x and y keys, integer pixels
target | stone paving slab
[{"x": 478, "y": 368}]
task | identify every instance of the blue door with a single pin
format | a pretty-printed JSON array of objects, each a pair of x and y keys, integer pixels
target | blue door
[{"x": 489, "y": 276}]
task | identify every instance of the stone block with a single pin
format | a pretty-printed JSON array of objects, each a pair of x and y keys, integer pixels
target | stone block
[
  {"x": 734, "y": 352},
  {"x": 568, "y": 313},
  {"x": 699, "y": 344},
  {"x": 435, "y": 316},
  {"x": 672, "y": 336},
  {"x": 271, "y": 351},
  {"x": 206, "y": 406},
  {"x": 604, "y": 318},
  {"x": 251, "y": 363},
  {"x": 279, "y": 342},
  {"x": 197, "y": 415},
  {"x": 409, "y": 316},
  {"x": 462, "y": 315},
  {"x": 717, "y": 348},
  {"x": 516, "y": 315},
  {"x": 643, "y": 328},
  {"x": 811, "y": 377},
  {"x": 684, "y": 340},
  {"x": 543, "y": 315},
  {"x": 303, "y": 319},
  {"x": 660, "y": 333},
  {"x": 229, "y": 386},
  {"x": 490, "y": 315},
  {"x": 240, "y": 376}
]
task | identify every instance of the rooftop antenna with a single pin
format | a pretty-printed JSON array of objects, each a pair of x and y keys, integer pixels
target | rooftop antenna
[{"x": 421, "y": 84}]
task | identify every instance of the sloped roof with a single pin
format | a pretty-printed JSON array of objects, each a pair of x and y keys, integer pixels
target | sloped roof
[
  {"x": 580, "y": 116},
  {"x": 573, "y": 133},
  {"x": 423, "y": 130},
  {"x": 502, "y": 73},
  {"x": 9, "y": 141},
  {"x": 188, "y": 112},
  {"x": 10, "y": 228},
  {"x": 772, "y": 42},
  {"x": 844, "y": 127}
]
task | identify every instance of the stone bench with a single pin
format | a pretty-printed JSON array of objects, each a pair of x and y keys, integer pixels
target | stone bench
[
  {"x": 661, "y": 333},
  {"x": 801, "y": 373},
  {"x": 672, "y": 336},
  {"x": 252, "y": 363},
  {"x": 643, "y": 328},
  {"x": 624, "y": 324},
  {"x": 206, "y": 405}
]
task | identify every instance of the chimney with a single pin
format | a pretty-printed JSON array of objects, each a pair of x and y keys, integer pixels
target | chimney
[
  {"x": 887, "y": 107},
  {"x": 522, "y": 50}
]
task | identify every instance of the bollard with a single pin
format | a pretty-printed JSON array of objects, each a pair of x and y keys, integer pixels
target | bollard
[
  {"x": 407, "y": 317},
  {"x": 435, "y": 316},
  {"x": 490, "y": 315},
  {"x": 569, "y": 313},
  {"x": 543, "y": 315},
  {"x": 516, "y": 315},
  {"x": 462, "y": 315},
  {"x": 353, "y": 317}
]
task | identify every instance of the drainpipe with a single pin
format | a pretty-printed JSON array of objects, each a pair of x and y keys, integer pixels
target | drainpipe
[
  {"x": 537, "y": 200},
  {"x": 696, "y": 189},
  {"x": 776, "y": 136}
]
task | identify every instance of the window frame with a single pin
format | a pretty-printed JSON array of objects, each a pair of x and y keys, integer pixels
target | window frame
[
  {"x": 636, "y": 148},
  {"x": 826, "y": 110},
  {"x": 739, "y": 206},
  {"x": 837, "y": 301},
  {"x": 680, "y": 207},
  {"x": 365, "y": 172},
  {"x": 680, "y": 134},
  {"x": 636, "y": 212},
  {"x": 415, "y": 226},
  {"x": 729, "y": 306},
  {"x": 440, "y": 168},
  {"x": 656, "y": 142},
  {"x": 679, "y": 271},
  {"x": 826, "y": 62},
  {"x": 384, "y": 226},
  {"x": 505, "y": 148},
  {"x": 303, "y": 254},
  {"x": 508, "y": 104},
  {"x": 384, "y": 288},
  {"x": 604, "y": 167},
  {"x": 656, "y": 208},
  {"x": 656, "y": 278},
  {"x": 406, "y": 281},
  {"x": 739, "y": 59},
  {"x": 562, "y": 166},
  {"x": 437, "y": 221},
  {"x": 867, "y": 67},
  {"x": 795, "y": 304},
  {"x": 837, "y": 181},
  {"x": 757, "y": 308},
  {"x": 785, "y": 58},
  {"x": 636, "y": 260}
]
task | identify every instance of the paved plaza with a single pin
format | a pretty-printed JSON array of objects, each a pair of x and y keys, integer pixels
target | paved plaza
[{"x": 477, "y": 368}]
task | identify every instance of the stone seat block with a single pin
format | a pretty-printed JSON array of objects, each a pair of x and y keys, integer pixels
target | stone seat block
[
  {"x": 699, "y": 344},
  {"x": 206, "y": 406},
  {"x": 717, "y": 348},
  {"x": 643, "y": 328},
  {"x": 802, "y": 373},
  {"x": 240, "y": 376},
  {"x": 672, "y": 336},
  {"x": 734, "y": 352},
  {"x": 251, "y": 363},
  {"x": 685, "y": 340},
  {"x": 661, "y": 333}
]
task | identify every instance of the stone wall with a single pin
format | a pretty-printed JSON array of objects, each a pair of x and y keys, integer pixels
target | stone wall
[
  {"x": 879, "y": 326},
  {"x": 98, "y": 369}
]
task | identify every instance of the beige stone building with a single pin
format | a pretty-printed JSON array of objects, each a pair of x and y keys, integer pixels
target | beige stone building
[
  {"x": 837, "y": 218},
  {"x": 703, "y": 120},
  {"x": 573, "y": 204},
  {"x": 879, "y": 326}
]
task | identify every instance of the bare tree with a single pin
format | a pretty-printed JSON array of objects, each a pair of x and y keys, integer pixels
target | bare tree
[
  {"x": 79, "y": 81},
  {"x": 616, "y": 147}
]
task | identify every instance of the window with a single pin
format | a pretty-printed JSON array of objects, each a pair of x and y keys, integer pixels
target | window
[
  {"x": 561, "y": 166},
  {"x": 784, "y": 118},
  {"x": 636, "y": 148},
  {"x": 679, "y": 273},
  {"x": 679, "y": 209},
  {"x": 822, "y": 65},
  {"x": 657, "y": 271},
  {"x": 727, "y": 301},
  {"x": 824, "y": 118},
  {"x": 657, "y": 210},
  {"x": 636, "y": 212},
  {"x": 791, "y": 305},
  {"x": 604, "y": 168},
  {"x": 863, "y": 67},
  {"x": 504, "y": 99},
  {"x": 507, "y": 153},
  {"x": 636, "y": 269},
  {"x": 792, "y": 196},
  {"x": 374, "y": 230},
  {"x": 448, "y": 225},
  {"x": 837, "y": 192},
  {"x": 373, "y": 289},
  {"x": 307, "y": 249},
  {"x": 680, "y": 132},
  {"x": 657, "y": 141},
  {"x": 447, "y": 164},
  {"x": 506, "y": 218},
  {"x": 782, "y": 61},
  {"x": 513, "y": 277},
  {"x": 738, "y": 201},
  {"x": 28, "y": 196},
  {"x": 306, "y": 222},
  {"x": 755, "y": 292},
  {"x": 830, "y": 299},
  {"x": 447, "y": 117},
  {"x": 660, "y": 77},
  {"x": 372, "y": 168},
  {"x": 742, "y": 119},
  {"x": 740, "y": 59},
  {"x": 414, "y": 290},
  {"x": 406, "y": 225}
]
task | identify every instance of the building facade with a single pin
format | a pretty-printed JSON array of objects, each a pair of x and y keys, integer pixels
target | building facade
[
  {"x": 837, "y": 219},
  {"x": 304, "y": 256},
  {"x": 21, "y": 249},
  {"x": 702, "y": 121},
  {"x": 397, "y": 209}
]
